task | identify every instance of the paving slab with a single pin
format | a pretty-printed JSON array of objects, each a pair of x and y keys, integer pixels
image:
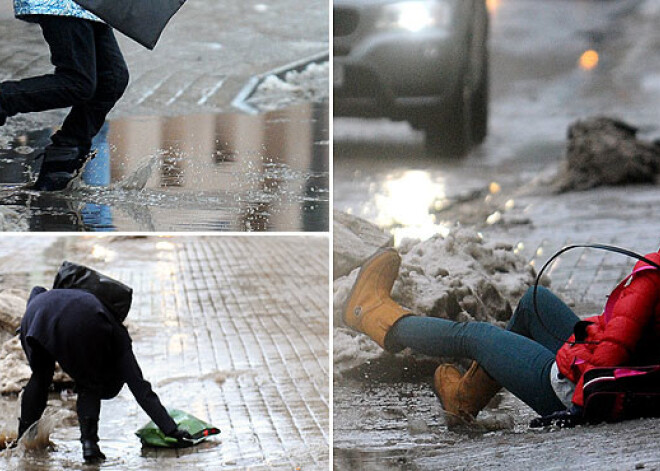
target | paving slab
[{"x": 231, "y": 329}]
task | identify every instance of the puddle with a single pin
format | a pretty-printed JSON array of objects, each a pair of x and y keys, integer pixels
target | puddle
[{"x": 213, "y": 172}]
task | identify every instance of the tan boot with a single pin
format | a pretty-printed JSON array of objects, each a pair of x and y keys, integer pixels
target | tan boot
[
  {"x": 369, "y": 308},
  {"x": 463, "y": 396}
]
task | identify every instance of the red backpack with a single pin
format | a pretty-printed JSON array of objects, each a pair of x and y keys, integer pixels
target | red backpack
[{"x": 621, "y": 393}]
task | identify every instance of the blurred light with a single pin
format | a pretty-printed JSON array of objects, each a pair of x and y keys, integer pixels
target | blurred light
[
  {"x": 509, "y": 205},
  {"x": 414, "y": 16},
  {"x": 102, "y": 253},
  {"x": 165, "y": 245},
  {"x": 404, "y": 203},
  {"x": 589, "y": 60},
  {"x": 494, "y": 188},
  {"x": 494, "y": 218},
  {"x": 493, "y": 5}
]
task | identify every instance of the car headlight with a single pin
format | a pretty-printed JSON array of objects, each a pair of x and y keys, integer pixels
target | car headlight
[{"x": 414, "y": 16}]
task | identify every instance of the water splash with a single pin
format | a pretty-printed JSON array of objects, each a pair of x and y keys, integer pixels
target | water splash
[{"x": 139, "y": 178}]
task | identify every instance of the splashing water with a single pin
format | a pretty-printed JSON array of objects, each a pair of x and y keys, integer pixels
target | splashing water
[{"x": 139, "y": 178}]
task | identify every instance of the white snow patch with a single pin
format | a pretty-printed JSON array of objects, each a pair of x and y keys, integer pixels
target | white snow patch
[{"x": 311, "y": 84}]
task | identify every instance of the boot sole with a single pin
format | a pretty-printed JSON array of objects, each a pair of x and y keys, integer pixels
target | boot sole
[{"x": 364, "y": 266}]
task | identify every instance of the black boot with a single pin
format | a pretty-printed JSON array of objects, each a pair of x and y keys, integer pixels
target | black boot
[
  {"x": 89, "y": 427},
  {"x": 60, "y": 166}
]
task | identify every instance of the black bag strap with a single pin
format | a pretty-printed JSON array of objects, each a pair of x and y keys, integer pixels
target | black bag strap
[{"x": 609, "y": 248}]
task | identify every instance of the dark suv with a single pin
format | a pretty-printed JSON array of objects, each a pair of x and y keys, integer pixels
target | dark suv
[{"x": 423, "y": 61}]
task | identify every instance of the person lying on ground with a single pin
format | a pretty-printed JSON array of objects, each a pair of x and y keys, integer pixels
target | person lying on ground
[
  {"x": 541, "y": 359},
  {"x": 79, "y": 324},
  {"x": 90, "y": 76}
]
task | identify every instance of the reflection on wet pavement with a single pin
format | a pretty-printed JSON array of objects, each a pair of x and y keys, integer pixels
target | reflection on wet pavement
[
  {"x": 227, "y": 172},
  {"x": 233, "y": 330}
]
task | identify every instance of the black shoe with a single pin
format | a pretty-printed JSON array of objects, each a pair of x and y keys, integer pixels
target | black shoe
[
  {"x": 60, "y": 166},
  {"x": 89, "y": 438}
]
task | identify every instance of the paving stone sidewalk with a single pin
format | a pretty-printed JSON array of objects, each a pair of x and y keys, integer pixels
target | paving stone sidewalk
[{"x": 231, "y": 329}]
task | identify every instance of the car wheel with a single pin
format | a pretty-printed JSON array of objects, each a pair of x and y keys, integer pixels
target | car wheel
[
  {"x": 447, "y": 132},
  {"x": 479, "y": 101}
]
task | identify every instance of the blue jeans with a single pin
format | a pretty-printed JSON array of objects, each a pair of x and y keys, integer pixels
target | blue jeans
[{"x": 519, "y": 358}]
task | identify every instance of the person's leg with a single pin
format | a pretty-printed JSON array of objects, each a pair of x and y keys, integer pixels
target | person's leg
[
  {"x": 88, "y": 407},
  {"x": 516, "y": 362},
  {"x": 72, "y": 52},
  {"x": 86, "y": 119},
  {"x": 35, "y": 395},
  {"x": 551, "y": 327}
]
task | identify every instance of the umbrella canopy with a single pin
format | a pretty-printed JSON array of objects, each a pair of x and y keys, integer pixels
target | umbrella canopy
[{"x": 140, "y": 20}]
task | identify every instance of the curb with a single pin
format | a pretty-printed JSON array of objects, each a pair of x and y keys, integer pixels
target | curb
[{"x": 240, "y": 101}]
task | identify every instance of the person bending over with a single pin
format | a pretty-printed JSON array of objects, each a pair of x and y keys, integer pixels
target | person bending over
[
  {"x": 79, "y": 324},
  {"x": 528, "y": 357},
  {"x": 90, "y": 76}
]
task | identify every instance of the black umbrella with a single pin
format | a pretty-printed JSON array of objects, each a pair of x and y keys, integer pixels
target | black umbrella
[{"x": 141, "y": 20}]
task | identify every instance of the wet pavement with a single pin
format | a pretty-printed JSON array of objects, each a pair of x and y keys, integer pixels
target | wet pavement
[
  {"x": 215, "y": 172},
  {"x": 231, "y": 329},
  {"x": 386, "y": 416},
  {"x": 539, "y": 85}
]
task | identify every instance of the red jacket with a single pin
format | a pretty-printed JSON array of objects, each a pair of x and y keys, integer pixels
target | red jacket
[{"x": 629, "y": 338}]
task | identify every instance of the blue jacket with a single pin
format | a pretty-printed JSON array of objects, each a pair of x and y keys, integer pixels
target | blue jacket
[{"x": 23, "y": 8}]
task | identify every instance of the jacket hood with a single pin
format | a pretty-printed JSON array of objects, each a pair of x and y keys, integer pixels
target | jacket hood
[{"x": 115, "y": 295}]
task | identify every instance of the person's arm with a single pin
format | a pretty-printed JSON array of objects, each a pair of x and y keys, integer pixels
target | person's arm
[{"x": 144, "y": 395}]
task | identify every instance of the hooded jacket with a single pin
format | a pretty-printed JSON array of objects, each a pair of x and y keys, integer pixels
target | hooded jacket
[
  {"x": 90, "y": 344},
  {"x": 25, "y": 8},
  {"x": 629, "y": 337}
]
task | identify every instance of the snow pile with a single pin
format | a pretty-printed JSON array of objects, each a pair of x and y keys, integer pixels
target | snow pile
[
  {"x": 14, "y": 369},
  {"x": 12, "y": 307},
  {"x": 355, "y": 240},
  {"x": 11, "y": 221},
  {"x": 460, "y": 277},
  {"x": 603, "y": 151},
  {"x": 311, "y": 84}
]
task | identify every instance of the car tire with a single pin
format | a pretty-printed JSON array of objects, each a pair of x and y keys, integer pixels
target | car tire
[
  {"x": 447, "y": 132},
  {"x": 480, "y": 95}
]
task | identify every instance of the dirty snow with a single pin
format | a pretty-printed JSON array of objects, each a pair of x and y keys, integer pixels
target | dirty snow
[
  {"x": 461, "y": 277},
  {"x": 606, "y": 151},
  {"x": 308, "y": 85}
]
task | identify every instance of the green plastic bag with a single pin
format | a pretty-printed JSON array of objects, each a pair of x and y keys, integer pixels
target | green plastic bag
[{"x": 151, "y": 435}]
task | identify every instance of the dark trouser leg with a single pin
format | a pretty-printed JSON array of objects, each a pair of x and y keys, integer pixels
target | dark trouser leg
[
  {"x": 72, "y": 52},
  {"x": 89, "y": 409},
  {"x": 86, "y": 119},
  {"x": 35, "y": 395}
]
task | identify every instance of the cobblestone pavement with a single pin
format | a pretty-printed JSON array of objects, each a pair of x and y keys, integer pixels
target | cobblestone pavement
[
  {"x": 231, "y": 329},
  {"x": 205, "y": 56}
]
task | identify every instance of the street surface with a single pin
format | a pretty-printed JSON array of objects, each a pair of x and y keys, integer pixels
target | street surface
[
  {"x": 503, "y": 189},
  {"x": 231, "y": 329},
  {"x": 210, "y": 168}
]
